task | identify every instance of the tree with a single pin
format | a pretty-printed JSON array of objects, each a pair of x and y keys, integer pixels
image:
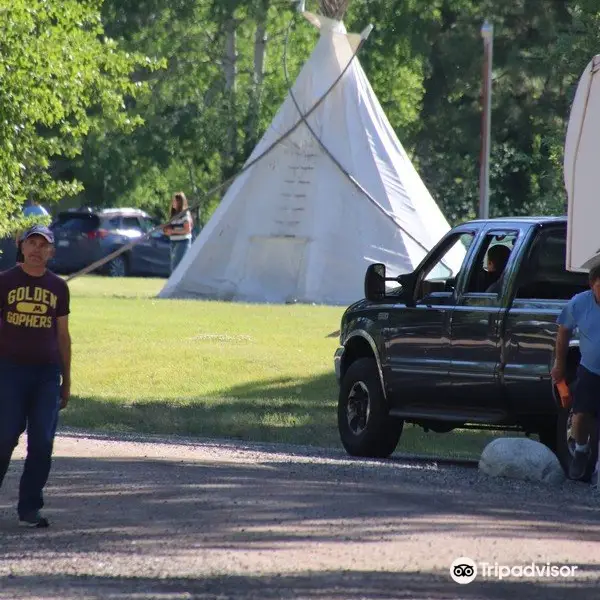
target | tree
[
  {"x": 223, "y": 81},
  {"x": 538, "y": 56},
  {"x": 61, "y": 79},
  {"x": 204, "y": 114}
]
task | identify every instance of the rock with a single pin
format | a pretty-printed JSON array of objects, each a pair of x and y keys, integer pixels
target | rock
[{"x": 521, "y": 458}]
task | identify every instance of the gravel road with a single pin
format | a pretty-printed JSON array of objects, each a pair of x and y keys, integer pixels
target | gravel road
[{"x": 175, "y": 519}]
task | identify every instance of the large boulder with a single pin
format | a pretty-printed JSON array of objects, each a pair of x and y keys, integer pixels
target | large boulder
[{"x": 521, "y": 458}]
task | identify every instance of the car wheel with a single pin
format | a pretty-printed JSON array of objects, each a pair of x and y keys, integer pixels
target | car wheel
[
  {"x": 364, "y": 423},
  {"x": 117, "y": 267},
  {"x": 564, "y": 446}
]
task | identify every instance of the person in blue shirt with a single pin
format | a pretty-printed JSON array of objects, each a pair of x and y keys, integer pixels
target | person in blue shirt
[{"x": 582, "y": 312}]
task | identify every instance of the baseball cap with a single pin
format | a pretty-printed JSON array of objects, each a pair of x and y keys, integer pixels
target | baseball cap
[{"x": 39, "y": 230}]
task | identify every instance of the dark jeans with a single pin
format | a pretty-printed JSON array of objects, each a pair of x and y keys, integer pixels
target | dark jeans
[
  {"x": 29, "y": 398},
  {"x": 178, "y": 250}
]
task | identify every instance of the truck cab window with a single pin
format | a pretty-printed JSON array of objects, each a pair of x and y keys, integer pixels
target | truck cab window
[
  {"x": 441, "y": 275},
  {"x": 487, "y": 276},
  {"x": 544, "y": 274}
]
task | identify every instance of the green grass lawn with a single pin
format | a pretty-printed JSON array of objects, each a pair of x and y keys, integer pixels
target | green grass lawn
[{"x": 212, "y": 369}]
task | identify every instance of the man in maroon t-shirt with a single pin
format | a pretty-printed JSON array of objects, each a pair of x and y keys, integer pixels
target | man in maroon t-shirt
[{"x": 35, "y": 366}]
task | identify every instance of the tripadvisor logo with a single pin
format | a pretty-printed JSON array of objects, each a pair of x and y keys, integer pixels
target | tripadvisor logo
[{"x": 464, "y": 570}]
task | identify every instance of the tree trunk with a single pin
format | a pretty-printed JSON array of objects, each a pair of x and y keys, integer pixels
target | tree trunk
[
  {"x": 258, "y": 75},
  {"x": 195, "y": 197},
  {"x": 230, "y": 152}
]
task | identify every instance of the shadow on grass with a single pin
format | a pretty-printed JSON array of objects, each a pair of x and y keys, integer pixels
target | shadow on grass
[
  {"x": 276, "y": 410},
  {"x": 183, "y": 519}
]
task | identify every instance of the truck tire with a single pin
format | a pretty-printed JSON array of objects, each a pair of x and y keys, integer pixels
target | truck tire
[
  {"x": 564, "y": 444},
  {"x": 365, "y": 426}
]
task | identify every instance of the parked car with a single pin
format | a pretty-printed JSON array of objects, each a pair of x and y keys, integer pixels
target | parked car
[
  {"x": 437, "y": 349},
  {"x": 85, "y": 235},
  {"x": 8, "y": 253}
]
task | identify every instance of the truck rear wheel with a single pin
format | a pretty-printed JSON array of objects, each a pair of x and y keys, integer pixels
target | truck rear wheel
[{"x": 365, "y": 426}]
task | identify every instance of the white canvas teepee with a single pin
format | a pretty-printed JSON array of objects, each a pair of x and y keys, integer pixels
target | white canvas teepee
[{"x": 294, "y": 227}]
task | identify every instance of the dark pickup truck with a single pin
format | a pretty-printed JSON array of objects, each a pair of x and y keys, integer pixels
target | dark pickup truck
[{"x": 436, "y": 348}]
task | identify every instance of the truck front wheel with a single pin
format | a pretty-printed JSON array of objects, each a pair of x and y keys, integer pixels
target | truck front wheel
[{"x": 365, "y": 426}]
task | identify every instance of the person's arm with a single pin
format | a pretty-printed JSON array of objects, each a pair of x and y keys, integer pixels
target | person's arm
[
  {"x": 183, "y": 225},
  {"x": 64, "y": 348},
  {"x": 186, "y": 227},
  {"x": 567, "y": 321},
  {"x": 563, "y": 337}
]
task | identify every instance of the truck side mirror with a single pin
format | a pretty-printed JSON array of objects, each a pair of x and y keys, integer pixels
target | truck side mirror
[{"x": 375, "y": 282}]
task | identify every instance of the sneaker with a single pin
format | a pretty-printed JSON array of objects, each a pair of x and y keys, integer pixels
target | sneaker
[
  {"x": 578, "y": 465},
  {"x": 33, "y": 519}
]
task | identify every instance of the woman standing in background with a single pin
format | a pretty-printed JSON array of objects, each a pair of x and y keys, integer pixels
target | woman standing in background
[{"x": 179, "y": 229}]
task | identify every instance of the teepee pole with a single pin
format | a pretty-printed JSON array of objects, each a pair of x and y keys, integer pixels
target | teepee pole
[{"x": 487, "y": 33}]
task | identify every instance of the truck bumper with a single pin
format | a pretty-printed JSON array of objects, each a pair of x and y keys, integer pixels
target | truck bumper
[{"x": 337, "y": 363}]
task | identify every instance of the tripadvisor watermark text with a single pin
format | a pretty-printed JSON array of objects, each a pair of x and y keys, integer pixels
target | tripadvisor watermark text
[{"x": 465, "y": 570}]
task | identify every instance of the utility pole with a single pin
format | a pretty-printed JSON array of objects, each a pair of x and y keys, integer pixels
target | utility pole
[{"x": 487, "y": 33}]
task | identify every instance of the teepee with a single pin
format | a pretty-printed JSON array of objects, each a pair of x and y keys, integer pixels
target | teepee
[{"x": 294, "y": 227}]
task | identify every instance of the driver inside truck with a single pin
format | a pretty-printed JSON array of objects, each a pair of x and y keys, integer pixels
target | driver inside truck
[{"x": 497, "y": 259}]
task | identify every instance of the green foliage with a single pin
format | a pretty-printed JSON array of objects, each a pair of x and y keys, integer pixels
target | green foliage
[
  {"x": 538, "y": 56},
  {"x": 74, "y": 79},
  {"x": 61, "y": 80},
  {"x": 190, "y": 112},
  {"x": 392, "y": 57}
]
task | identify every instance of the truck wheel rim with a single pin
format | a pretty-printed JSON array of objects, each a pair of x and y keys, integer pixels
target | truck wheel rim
[{"x": 358, "y": 408}]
